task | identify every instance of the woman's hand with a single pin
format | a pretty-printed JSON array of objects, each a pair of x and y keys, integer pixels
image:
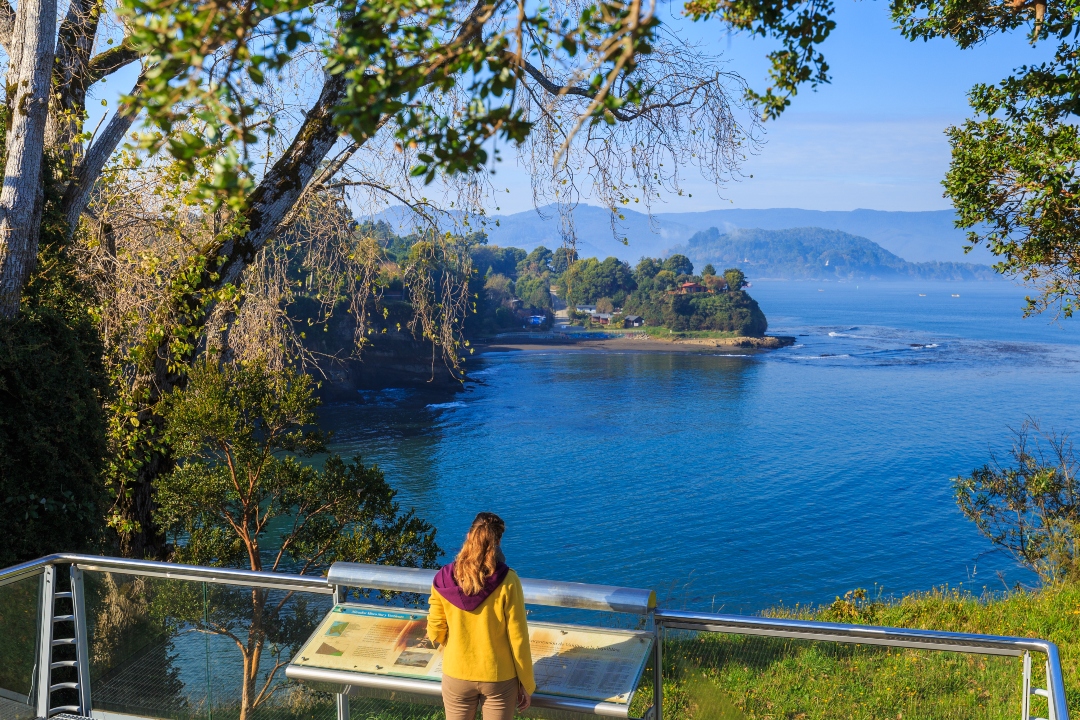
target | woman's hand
[{"x": 524, "y": 701}]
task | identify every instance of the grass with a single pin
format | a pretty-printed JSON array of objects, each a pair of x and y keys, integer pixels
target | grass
[{"x": 714, "y": 677}]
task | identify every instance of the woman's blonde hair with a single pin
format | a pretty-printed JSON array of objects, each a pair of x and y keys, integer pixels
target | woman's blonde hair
[{"x": 480, "y": 555}]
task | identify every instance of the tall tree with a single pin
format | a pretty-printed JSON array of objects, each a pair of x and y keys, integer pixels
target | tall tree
[
  {"x": 433, "y": 86},
  {"x": 30, "y": 62},
  {"x": 240, "y": 498},
  {"x": 1013, "y": 177}
]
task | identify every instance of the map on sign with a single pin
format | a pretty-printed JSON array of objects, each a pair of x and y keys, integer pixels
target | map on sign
[{"x": 568, "y": 660}]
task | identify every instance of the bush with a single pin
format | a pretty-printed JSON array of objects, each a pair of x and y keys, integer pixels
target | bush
[
  {"x": 504, "y": 318},
  {"x": 52, "y": 438},
  {"x": 52, "y": 428},
  {"x": 1031, "y": 505},
  {"x": 723, "y": 312}
]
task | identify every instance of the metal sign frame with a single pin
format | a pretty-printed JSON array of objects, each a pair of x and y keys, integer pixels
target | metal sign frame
[{"x": 413, "y": 682}]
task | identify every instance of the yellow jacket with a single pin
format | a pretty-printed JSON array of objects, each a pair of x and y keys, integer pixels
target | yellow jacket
[{"x": 488, "y": 644}]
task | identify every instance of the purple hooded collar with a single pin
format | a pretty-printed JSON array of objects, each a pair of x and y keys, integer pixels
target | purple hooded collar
[{"x": 452, "y": 592}]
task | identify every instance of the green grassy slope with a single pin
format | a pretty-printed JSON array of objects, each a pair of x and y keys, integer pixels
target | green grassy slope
[{"x": 717, "y": 676}]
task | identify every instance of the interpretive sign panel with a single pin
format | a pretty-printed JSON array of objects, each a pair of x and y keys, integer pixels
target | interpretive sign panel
[{"x": 568, "y": 660}]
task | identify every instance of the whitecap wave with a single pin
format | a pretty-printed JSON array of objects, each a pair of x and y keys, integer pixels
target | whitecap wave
[{"x": 445, "y": 405}]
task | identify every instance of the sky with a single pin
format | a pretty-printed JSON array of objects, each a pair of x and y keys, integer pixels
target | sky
[{"x": 872, "y": 138}]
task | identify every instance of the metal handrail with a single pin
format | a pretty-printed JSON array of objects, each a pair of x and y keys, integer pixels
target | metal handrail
[
  {"x": 674, "y": 619},
  {"x": 555, "y": 593},
  {"x": 875, "y": 635},
  {"x": 153, "y": 568}
]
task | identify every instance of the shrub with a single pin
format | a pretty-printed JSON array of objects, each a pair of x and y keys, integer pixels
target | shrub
[{"x": 1030, "y": 505}]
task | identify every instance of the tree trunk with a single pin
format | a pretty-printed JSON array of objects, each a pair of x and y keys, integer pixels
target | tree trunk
[
  {"x": 268, "y": 208},
  {"x": 148, "y": 542},
  {"x": 71, "y": 78},
  {"x": 29, "y": 102},
  {"x": 256, "y": 641}
]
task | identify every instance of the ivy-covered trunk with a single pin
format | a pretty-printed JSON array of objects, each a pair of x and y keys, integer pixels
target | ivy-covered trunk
[{"x": 21, "y": 198}]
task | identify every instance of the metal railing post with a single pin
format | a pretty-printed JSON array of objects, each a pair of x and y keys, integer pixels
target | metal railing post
[
  {"x": 1050, "y": 698},
  {"x": 1025, "y": 699},
  {"x": 82, "y": 653},
  {"x": 45, "y": 638},
  {"x": 342, "y": 698},
  {"x": 658, "y": 670}
]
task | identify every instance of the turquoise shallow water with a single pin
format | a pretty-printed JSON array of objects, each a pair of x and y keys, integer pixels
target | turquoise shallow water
[{"x": 739, "y": 481}]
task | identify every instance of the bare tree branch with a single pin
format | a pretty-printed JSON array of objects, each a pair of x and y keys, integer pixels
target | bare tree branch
[
  {"x": 106, "y": 63},
  {"x": 77, "y": 195}
]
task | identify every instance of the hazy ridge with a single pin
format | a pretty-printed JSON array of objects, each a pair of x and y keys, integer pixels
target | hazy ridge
[
  {"x": 815, "y": 254},
  {"x": 928, "y": 236}
]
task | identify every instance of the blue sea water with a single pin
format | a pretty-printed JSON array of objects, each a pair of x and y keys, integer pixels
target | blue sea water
[{"x": 740, "y": 480}]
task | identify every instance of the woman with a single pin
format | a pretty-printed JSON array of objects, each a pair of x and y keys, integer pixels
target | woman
[{"x": 478, "y": 616}]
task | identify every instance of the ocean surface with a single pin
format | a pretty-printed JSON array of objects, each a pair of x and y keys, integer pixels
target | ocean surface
[{"x": 736, "y": 481}]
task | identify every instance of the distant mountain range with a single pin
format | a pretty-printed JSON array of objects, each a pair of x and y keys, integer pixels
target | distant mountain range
[
  {"x": 815, "y": 254},
  {"x": 915, "y": 236}
]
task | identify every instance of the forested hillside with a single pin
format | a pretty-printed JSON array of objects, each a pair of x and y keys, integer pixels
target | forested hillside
[{"x": 815, "y": 253}]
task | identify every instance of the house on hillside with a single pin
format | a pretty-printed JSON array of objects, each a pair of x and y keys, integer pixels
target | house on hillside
[
  {"x": 591, "y": 309},
  {"x": 633, "y": 321},
  {"x": 689, "y": 288},
  {"x": 602, "y": 318}
]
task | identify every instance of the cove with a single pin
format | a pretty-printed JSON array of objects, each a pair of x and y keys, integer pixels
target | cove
[{"x": 738, "y": 481}]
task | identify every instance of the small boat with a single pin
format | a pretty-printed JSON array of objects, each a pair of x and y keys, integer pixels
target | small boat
[
  {"x": 955, "y": 295},
  {"x": 922, "y": 294}
]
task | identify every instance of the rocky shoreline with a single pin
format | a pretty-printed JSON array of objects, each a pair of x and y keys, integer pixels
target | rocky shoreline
[
  {"x": 398, "y": 360},
  {"x": 635, "y": 342}
]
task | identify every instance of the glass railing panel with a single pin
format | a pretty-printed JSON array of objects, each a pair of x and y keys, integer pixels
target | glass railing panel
[
  {"x": 19, "y": 613},
  {"x": 147, "y": 658},
  {"x": 715, "y": 675},
  {"x": 188, "y": 650},
  {"x": 251, "y": 635}
]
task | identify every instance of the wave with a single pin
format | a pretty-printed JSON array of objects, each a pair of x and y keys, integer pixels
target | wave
[
  {"x": 445, "y": 405},
  {"x": 826, "y": 356}
]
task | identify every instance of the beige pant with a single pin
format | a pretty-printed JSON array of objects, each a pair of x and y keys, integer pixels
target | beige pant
[{"x": 496, "y": 699}]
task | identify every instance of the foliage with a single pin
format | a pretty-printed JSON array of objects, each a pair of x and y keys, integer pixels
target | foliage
[
  {"x": 537, "y": 262},
  {"x": 588, "y": 280},
  {"x": 735, "y": 278},
  {"x": 18, "y": 641},
  {"x": 1031, "y": 506},
  {"x": 734, "y": 312},
  {"x": 390, "y": 53},
  {"x": 239, "y": 432},
  {"x": 657, "y": 298},
  {"x": 534, "y": 289},
  {"x": 1013, "y": 176},
  {"x": 495, "y": 260},
  {"x": 241, "y": 498},
  {"x": 52, "y": 439},
  {"x": 799, "y": 26},
  {"x": 498, "y": 288},
  {"x": 52, "y": 431},
  {"x": 678, "y": 264},
  {"x": 562, "y": 258},
  {"x": 127, "y": 628}
]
